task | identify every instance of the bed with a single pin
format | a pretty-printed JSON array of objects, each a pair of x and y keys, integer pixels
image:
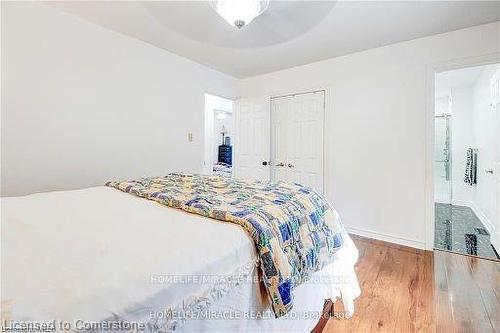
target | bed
[
  {"x": 222, "y": 169},
  {"x": 84, "y": 257}
]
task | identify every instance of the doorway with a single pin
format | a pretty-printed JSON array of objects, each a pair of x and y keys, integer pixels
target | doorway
[
  {"x": 466, "y": 161},
  {"x": 219, "y": 131}
]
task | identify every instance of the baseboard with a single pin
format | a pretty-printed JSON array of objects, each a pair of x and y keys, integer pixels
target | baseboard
[
  {"x": 461, "y": 203},
  {"x": 495, "y": 240},
  {"x": 483, "y": 218},
  {"x": 387, "y": 238},
  {"x": 456, "y": 203},
  {"x": 441, "y": 202}
]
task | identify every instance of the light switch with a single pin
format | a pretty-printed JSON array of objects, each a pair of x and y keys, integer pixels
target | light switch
[{"x": 190, "y": 137}]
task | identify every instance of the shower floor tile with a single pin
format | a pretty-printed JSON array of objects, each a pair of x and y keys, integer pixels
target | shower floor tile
[{"x": 457, "y": 231}]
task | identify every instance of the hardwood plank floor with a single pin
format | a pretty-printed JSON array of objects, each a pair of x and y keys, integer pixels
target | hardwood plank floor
[{"x": 410, "y": 290}]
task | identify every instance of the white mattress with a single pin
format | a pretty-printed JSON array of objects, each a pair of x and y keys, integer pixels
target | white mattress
[{"x": 97, "y": 253}]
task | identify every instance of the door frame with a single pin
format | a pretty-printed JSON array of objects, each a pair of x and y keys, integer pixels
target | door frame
[
  {"x": 495, "y": 238},
  {"x": 327, "y": 114},
  {"x": 429, "y": 113},
  {"x": 208, "y": 124}
]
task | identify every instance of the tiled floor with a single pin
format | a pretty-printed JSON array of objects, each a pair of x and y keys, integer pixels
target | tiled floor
[{"x": 459, "y": 230}]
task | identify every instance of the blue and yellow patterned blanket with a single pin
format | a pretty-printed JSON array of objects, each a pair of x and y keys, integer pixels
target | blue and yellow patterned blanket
[{"x": 294, "y": 229}]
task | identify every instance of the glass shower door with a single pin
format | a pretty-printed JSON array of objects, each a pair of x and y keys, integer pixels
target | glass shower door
[
  {"x": 442, "y": 161},
  {"x": 442, "y": 183}
]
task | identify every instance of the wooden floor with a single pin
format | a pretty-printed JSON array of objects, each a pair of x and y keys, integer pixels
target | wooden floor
[{"x": 409, "y": 290}]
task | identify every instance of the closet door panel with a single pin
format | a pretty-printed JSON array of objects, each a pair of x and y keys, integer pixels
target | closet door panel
[
  {"x": 279, "y": 139},
  {"x": 297, "y": 139},
  {"x": 251, "y": 144}
]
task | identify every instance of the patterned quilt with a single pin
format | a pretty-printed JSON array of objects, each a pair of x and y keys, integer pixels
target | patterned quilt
[{"x": 294, "y": 229}]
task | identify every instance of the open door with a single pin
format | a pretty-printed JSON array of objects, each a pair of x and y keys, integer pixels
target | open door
[{"x": 252, "y": 139}]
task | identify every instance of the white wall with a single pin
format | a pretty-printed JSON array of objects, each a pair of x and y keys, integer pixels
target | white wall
[
  {"x": 442, "y": 104},
  {"x": 82, "y": 104},
  {"x": 375, "y": 136},
  {"x": 462, "y": 138}
]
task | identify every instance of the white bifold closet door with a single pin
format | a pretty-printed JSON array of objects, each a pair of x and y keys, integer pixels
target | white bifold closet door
[
  {"x": 297, "y": 125},
  {"x": 252, "y": 142}
]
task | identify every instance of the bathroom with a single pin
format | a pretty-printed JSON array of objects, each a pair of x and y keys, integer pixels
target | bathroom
[{"x": 467, "y": 160}]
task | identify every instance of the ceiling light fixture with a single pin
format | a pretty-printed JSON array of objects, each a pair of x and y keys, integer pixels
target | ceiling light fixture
[{"x": 239, "y": 13}]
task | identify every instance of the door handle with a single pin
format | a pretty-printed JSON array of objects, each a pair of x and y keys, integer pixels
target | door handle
[
  {"x": 265, "y": 163},
  {"x": 490, "y": 171},
  {"x": 280, "y": 164},
  {"x": 290, "y": 165}
]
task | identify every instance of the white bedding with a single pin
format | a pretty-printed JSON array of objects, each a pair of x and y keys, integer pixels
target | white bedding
[{"x": 99, "y": 253}]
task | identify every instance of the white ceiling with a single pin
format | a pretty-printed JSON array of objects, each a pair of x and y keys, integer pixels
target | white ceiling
[{"x": 288, "y": 34}]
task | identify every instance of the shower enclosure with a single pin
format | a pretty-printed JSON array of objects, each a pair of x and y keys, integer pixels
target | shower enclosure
[{"x": 442, "y": 159}]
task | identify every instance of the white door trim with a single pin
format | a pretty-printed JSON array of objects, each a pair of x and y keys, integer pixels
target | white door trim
[
  {"x": 429, "y": 130},
  {"x": 327, "y": 113}
]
